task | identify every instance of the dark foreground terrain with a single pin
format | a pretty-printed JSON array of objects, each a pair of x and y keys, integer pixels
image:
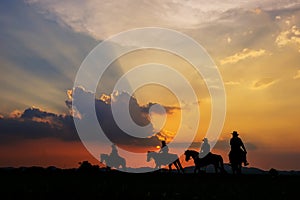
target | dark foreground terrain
[{"x": 37, "y": 183}]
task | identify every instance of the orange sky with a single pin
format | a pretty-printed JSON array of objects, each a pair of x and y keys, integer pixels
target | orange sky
[{"x": 254, "y": 45}]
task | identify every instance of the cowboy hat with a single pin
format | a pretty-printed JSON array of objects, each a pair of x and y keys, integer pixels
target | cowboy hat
[{"x": 234, "y": 133}]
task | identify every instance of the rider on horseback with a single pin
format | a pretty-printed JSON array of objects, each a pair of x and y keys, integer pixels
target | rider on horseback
[
  {"x": 205, "y": 148},
  {"x": 238, "y": 147},
  {"x": 114, "y": 152},
  {"x": 164, "y": 148}
]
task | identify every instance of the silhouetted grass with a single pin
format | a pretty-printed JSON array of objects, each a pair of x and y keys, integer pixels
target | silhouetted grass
[{"x": 73, "y": 184}]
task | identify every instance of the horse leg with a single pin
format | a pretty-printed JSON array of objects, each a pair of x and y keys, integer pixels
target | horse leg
[
  {"x": 239, "y": 169},
  {"x": 216, "y": 168},
  {"x": 176, "y": 165},
  {"x": 157, "y": 167},
  {"x": 170, "y": 167},
  {"x": 180, "y": 166},
  {"x": 221, "y": 165},
  {"x": 195, "y": 169},
  {"x": 233, "y": 168},
  {"x": 123, "y": 166}
]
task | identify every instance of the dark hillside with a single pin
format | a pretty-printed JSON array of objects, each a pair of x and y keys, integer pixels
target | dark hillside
[{"x": 95, "y": 183}]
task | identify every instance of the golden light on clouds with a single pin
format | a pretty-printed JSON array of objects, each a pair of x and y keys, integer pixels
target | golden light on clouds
[
  {"x": 15, "y": 114},
  {"x": 229, "y": 40},
  {"x": 263, "y": 83},
  {"x": 232, "y": 83},
  {"x": 257, "y": 11},
  {"x": 244, "y": 54},
  {"x": 290, "y": 36}
]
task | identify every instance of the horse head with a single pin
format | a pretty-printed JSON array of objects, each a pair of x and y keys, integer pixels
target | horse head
[
  {"x": 190, "y": 153},
  {"x": 187, "y": 155}
]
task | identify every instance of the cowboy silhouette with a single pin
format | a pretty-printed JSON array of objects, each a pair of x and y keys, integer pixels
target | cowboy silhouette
[
  {"x": 114, "y": 152},
  {"x": 164, "y": 149},
  {"x": 205, "y": 148},
  {"x": 238, "y": 147}
]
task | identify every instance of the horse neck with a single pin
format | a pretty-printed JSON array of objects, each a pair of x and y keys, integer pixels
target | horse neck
[
  {"x": 194, "y": 154},
  {"x": 152, "y": 155}
]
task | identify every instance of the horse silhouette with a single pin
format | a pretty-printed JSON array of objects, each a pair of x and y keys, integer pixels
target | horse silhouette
[
  {"x": 165, "y": 159},
  {"x": 210, "y": 158},
  {"x": 116, "y": 161},
  {"x": 236, "y": 161}
]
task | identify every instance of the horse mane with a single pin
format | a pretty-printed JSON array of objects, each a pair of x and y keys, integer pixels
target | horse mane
[{"x": 192, "y": 151}]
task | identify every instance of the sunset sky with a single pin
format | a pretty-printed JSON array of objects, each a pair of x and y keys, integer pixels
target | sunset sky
[{"x": 254, "y": 44}]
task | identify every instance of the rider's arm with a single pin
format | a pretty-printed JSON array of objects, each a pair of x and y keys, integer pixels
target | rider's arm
[{"x": 243, "y": 147}]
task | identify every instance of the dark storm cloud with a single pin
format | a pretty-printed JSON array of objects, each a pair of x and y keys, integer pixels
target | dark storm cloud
[
  {"x": 106, "y": 118},
  {"x": 36, "y": 124}
]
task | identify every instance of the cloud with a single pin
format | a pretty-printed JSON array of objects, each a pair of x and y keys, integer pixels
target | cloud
[
  {"x": 263, "y": 83},
  {"x": 166, "y": 109},
  {"x": 15, "y": 114},
  {"x": 229, "y": 40},
  {"x": 289, "y": 37},
  {"x": 257, "y": 11},
  {"x": 246, "y": 53},
  {"x": 92, "y": 17},
  {"x": 297, "y": 76},
  {"x": 232, "y": 83},
  {"x": 146, "y": 138},
  {"x": 37, "y": 54},
  {"x": 37, "y": 115},
  {"x": 34, "y": 123}
]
